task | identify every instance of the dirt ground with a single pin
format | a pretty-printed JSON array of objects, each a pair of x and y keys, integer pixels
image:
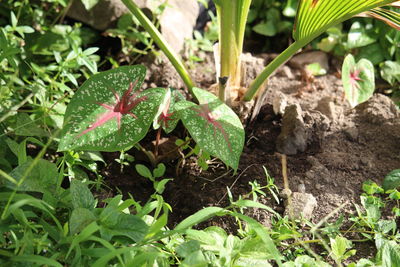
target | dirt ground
[{"x": 344, "y": 147}]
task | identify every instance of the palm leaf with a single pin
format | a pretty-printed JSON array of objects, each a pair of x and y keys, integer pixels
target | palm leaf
[
  {"x": 390, "y": 17},
  {"x": 316, "y": 16}
]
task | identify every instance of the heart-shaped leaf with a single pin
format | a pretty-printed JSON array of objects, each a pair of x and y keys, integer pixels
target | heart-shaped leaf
[
  {"x": 167, "y": 117},
  {"x": 214, "y": 127},
  {"x": 109, "y": 113},
  {"x": 358, "y": 80}
]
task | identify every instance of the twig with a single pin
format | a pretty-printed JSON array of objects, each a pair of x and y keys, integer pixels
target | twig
[
  {"x": 219, "y": 177},
  {"x": 233, "y": 184}
]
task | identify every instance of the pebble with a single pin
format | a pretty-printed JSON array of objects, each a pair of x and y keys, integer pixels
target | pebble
[
  {"x": 301, "y": 188},
  {"x": 302, "y": 206},
  {"x": 293, "y": 136}
]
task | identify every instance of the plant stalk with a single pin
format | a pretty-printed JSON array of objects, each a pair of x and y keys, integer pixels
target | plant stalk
[
  {"x": 232, "y": 17},
  {"x": 272, "y": 67},
  {"x": 161, "y": 42}
]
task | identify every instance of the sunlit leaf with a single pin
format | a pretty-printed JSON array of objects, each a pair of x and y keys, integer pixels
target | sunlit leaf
[
  {"x": 390, "y": 17},
  {"x": 358, "y": 80},
  {"x": 392, "y": 180},
  {"x": 316, "y": 16},
  {"x": 109, "y": 112},
  {"x": 214, "y": 127}
]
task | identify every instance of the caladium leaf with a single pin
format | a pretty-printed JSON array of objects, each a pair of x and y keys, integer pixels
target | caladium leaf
[
  {"x": 109, "y": 112},
  {"x": 214, "y": 127},
  {"x": 166, "y": 117},
  {"x": 358, "y": 80}
]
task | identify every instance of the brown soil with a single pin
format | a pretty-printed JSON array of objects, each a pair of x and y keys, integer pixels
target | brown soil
[{"x": 345, "y": 147}]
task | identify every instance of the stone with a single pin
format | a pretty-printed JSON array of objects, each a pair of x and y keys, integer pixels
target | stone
[
  {"x": 176, "y": 22},
  {"x": 378, "y": 109},
  {"x": 251, "y": 67},
  {"x": 279, "y": 103},
  {"x": 301, "y": 188},
  {"x": 285, "y": 71},
  {"x": 102, "y": 15},
  {"x": 306, "y": 58},
  {"x": 351, "y": 133},
  {"x": 293, "y": 136},
  {"x": 327, "y": 107},
  {"x": 302, "y": 206},
  {"x": 285, "y": 193}
]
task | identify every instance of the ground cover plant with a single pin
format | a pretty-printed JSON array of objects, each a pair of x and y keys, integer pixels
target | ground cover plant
[{"x": 58, "y": 208}]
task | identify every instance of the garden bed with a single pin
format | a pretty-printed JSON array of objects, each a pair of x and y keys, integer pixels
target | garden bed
[{"x": 345, "y": 147}]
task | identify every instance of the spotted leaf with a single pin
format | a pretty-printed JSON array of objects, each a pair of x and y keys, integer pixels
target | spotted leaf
[
  {"x": 167, "y": 117},
  {"x": 358, "y": 80},
  {"x": 214, "y": 127},
  {"x": 109, "y": 112}
]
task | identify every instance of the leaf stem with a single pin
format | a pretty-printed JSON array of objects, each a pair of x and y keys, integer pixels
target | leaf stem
[
  {"x": 232, "y": 17},
  {"x": 272, "y": 67},
  {"x": 157, "y": 142},
  {"x": 161, "y": 42}
]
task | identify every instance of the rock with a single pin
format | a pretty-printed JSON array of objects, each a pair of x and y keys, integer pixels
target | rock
[
  {"x": 301, "y": 188},
  {"x": 317, "y": 126},
  {"x": 285, "y": 193},
  {"x": 351, "y": 133},
  {"x": 285, "y": 71},
  {"x": 293, "y": 136},
  {"x": 102, "y": 14},
  {"x": 318, "y": 186},
  {"x": 317, "y": 170},
  {"x": 279, "y": 103},
  {"x": 311, "y": 57},
  {"x": 378, "y": 109},
  {"x": 327, "y": 107},
  {"x": 251, "y": 67},
  {"x": 302, "y": 206},
  {"x": 177, "y": 21}
]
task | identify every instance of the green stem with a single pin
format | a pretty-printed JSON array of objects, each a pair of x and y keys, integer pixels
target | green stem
[
  {"x": 232, "y": 17},
  {"x": 161, "y": 42},
  {"x": 271, "y": 67}
]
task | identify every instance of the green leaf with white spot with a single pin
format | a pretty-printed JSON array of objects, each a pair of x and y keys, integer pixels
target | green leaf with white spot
[
  {"x": 358, "y": 80},
  {"x": 93, "y": 120},
  {"x": 167, "y": 117},
  {"x": 214, "y": 127}
]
